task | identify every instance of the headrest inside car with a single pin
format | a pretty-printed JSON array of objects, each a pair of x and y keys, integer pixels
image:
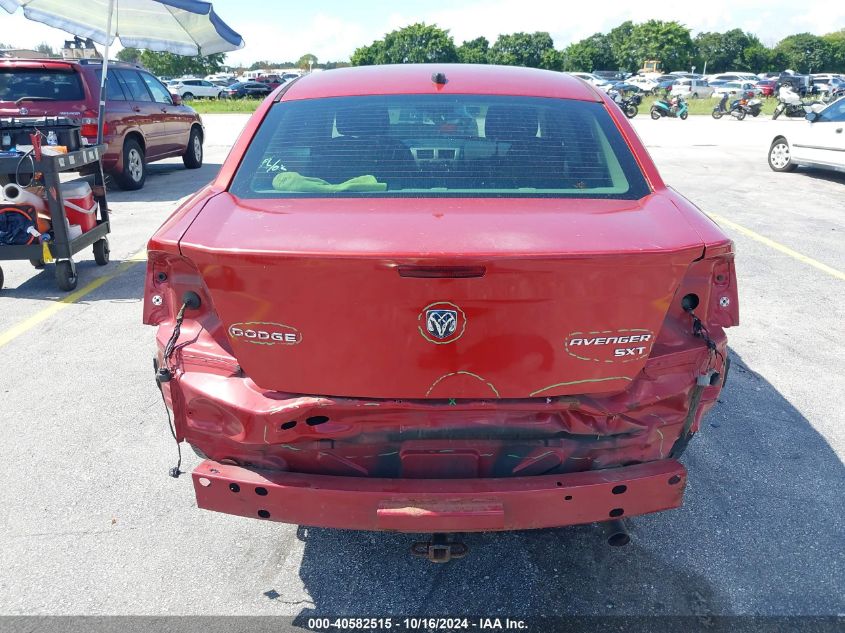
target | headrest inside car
[
  {"x": 362, "y": 122},
  {"x": 511, "y": 123}
]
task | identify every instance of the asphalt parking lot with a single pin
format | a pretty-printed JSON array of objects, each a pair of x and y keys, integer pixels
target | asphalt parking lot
[{"x": 92, "y": 524}]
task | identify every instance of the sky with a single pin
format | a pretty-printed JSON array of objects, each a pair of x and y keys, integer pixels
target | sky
[{"x": 332, "y": 29}]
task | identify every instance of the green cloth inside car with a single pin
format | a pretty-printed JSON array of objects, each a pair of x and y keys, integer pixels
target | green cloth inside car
[{"x": 292, "y": 181}]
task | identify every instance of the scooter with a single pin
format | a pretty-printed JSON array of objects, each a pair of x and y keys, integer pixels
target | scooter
[
  {"x": 738, "y": 108},
  {"x": 734, "y": 110},
  {"x": 753, "y": 107},
  {"x": 675, "y": 107}
]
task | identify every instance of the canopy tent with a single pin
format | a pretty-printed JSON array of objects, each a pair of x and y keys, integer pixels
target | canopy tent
[{"x": 183, "y": 27}]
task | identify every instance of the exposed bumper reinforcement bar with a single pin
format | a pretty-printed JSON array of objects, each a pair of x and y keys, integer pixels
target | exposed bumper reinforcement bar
[{"x": 440, "y": 505}]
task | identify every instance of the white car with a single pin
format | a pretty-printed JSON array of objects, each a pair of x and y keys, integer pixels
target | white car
[
  {"x": 736, "y": 89},
  {"x": 692, "y": 89},
  {"x": 643, "y": 83},
  {"x": 590, "y": 78},
  {"x": 817, "y": 142},
  {"x": 734, "y": 76},
  {"x": 191, "y": 88},
  {"x": 824, "y": 82}
]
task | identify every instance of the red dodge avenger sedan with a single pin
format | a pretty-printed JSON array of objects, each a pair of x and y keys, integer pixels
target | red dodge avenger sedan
[{"x": 439, "y": 298}]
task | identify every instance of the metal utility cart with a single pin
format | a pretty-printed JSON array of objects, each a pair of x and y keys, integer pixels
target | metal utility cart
[{"x": 62, "y": 248}]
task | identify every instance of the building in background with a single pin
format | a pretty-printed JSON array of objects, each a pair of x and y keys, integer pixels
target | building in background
[{"x": 25, "y": 53}]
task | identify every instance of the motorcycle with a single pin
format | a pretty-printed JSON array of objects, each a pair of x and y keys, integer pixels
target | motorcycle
[
  {"x": 629, "y": 105},
  {"x": 790, "y": 104},
  {"x": 675, "y": 107}
]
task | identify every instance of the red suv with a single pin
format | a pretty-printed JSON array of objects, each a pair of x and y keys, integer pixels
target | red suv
[{"x": 144, "y": 122}]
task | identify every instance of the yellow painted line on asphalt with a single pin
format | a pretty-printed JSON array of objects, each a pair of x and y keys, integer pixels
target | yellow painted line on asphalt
[
  {"x": 804, "y": 259},
  {"x": 39, "y": 317}
]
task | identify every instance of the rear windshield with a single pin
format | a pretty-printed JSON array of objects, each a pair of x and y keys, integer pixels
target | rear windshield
[
  {"x": 439, "y": 145},
  {"x": 44, "y": 85}
]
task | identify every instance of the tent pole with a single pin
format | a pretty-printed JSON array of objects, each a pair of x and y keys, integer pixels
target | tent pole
[{"x": 102, "y": 110}]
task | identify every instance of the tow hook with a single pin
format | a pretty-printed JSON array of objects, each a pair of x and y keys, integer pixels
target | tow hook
[{"x": 439, "y": 549}]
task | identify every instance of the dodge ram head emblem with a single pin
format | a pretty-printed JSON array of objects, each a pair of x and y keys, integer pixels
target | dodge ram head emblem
[{"x": 442, "y": 322}]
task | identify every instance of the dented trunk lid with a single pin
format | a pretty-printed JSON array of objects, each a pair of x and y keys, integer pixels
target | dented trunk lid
[{"x": 441, "y": 298}]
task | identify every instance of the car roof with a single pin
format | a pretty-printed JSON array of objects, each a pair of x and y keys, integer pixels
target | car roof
[
  {"x": 460, "y": 79},
  {"x": 62, "y": 64}
]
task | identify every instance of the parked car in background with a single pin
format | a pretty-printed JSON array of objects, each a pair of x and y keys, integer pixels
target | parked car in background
[
  {"x": 692, "y": 89},
  {"x": 767, "y": 87},
  {"x": 612, "y": 76},
  {"x": 733, "y": 76},
  {"x": 243, "y": 89},
  {"x": 817, "y": 142},
  {"x": 143, "y": 123},
  {"x": 686, "y": 75},
  {"x": 228, "y": 77},
  {"x": 736, "y": 89},
  {"x": 665, "y": 82},
  {"x": 272, "y": 81},
  {"x": 196, "y": 88},
  {"x": 625, "y": 87},
  {"x": 591, "y": 79},
  {"x": 826, "y": 82},
  {"x": 643, "y": 83},
  {"x": 802, "y": 84}
]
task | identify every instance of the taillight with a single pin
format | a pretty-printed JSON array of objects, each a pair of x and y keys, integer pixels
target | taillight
[
  {"x": 709, "y": 291},
  {"x": 169, "y": 279},
  {"x": 88, "y": 129},
  {"x": 723, "y": 308},
  {"x": 711, "y": 284}
]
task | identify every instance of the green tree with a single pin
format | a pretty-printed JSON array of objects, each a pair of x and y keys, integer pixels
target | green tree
[
  {"x": 522, "y": 49},
  {"x": 552, "y": 59},
  {"x": 419, "y": 43},
  {"x": 805, "y": 52},
  {"x": 758, "y": 58},
  {"x": 260, "y": 65},
  {"x": 307, "y": 61},
  {"x": 368, "y": 55},
  {"x": 624, "y": 56},
  {"x": 726, "y": 51},
  {"x": 130, "y": 55},
  {"x": 708, "y": 49},
  {"x": 592, "y": 53},
  {"x": 45, "y": 48},
  {"x": 414, "y": 44},
  {"x": 669, "y": 42},
  {"x": 836, "y": 45},
  {"x": 171, "y": 65},
  {"x": 474, "y": 51}
]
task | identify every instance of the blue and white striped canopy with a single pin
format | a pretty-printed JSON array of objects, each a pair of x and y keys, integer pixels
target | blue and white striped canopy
[{"x": 184, "y": 27}]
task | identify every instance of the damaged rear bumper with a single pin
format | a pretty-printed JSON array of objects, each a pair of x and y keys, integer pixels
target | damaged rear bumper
[{"x": 440, "y": 505}]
